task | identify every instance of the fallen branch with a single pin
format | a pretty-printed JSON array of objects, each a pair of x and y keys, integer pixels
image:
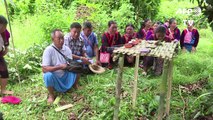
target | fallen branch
[{"x": 63, "y": 107}]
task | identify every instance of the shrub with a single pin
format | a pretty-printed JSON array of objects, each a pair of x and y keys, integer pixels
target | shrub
[{"x": 22, "y": 65}]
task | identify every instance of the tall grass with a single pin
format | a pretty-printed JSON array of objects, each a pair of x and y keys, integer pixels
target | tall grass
[{"x": 27, "y": 33}]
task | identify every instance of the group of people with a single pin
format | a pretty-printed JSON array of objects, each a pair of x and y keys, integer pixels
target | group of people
[{"x": 81, "y": 44}]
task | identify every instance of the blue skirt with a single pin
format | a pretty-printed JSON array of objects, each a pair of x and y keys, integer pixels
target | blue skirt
[
  {"x": 60, "y": 84},
  {"x": 188, "y": 47}
]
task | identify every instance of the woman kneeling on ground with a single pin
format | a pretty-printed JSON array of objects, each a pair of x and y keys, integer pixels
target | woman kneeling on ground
[
  {"x": 159, "y": 34},
  {"x": 110, "y": 40},
  {"x": 189, "y": 38},
  {"x": 127, "y": 37}
]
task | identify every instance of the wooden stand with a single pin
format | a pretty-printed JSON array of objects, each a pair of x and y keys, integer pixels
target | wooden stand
[
  {"x": 166, "y": 81},
  {"x": 118, "y": 86},
  {"x": 169, "y": 91},
  {"x": 165, "y": 51},
  {"x": 135, "y": 87}
]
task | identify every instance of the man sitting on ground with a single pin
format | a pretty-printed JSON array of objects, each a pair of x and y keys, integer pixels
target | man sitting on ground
[
  {"x": 90, "y": 41},
  {"x": 76, "y": 44},
  {"x": 54, "y": 64}
]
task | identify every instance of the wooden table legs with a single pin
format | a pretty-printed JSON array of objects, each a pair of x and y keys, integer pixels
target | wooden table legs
[
  {"x": 134, "y": 96},
  {"x": 169, "y": 90},
  {"x": 118, "y": 86},
  {"x": 165, "y": 87},
  {"x": 166, "y": 81}
]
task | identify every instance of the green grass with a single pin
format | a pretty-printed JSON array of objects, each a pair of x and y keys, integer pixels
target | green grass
[
  {"x": 26, "y": 34},
  {"x": 98, "y": 91}
]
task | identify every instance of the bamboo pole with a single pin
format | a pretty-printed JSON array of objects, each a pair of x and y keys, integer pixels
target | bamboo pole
[
  {"x": 118, "y": 86},
  {"x": 169, "y": 91},
  {"x": 135, "y": 81},
  {"x": 163, "y": 89},
  {"x": 11, "y": 34},
  {"x": 8, "y": 16}
]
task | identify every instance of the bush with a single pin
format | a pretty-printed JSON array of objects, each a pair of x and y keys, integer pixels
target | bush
[
  {"x": 22, "y": 65},
  {"x": 174, "y": 9}
]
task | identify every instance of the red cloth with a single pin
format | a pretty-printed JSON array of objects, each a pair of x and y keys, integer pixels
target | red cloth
[
  {"x": 126, "y": 38},
  {"x": 11, "y": 100}
]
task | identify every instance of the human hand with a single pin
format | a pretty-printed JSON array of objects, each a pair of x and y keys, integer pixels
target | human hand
[
  {"x": 193, "y": 49},
  {"x": 171, "y": 36},
  {"x": 183, "y": 49},
  {"x": 85, "y": 60},
  {"x": 98, "y": 62},
  {"x": 175, "y": 40},
  {"x": 63, "y": 66},
  {"x": 5, "y": 51}
]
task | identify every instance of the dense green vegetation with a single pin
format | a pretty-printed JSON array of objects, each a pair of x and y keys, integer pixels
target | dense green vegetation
[{"x": 32, "y": 23}]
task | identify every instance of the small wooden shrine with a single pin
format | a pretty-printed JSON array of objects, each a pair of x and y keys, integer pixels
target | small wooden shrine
[{"x": 137, "y": 48}]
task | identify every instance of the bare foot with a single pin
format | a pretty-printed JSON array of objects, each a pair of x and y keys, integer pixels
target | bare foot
[
  {"x": 75, "y": 86},
  {"x": 50, "y": 99},
  {"x": 6, "y": 92}
]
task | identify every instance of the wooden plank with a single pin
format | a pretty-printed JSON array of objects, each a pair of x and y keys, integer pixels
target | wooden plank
[
  {"x": 118, "y": 86},
  {"x": 63, "y": 107},
  {"x": 56, "y": 101},
  {"x": 169, "y": 91},
  {"x": 165, "y": 50},
  {"x": 134, "y": 96},
  {"x": 163, "y": 88}
]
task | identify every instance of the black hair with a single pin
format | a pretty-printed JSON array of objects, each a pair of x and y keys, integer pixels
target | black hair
[
  {"x": 160, "y": 29},
  {"x": 144, "y": 23},
  {"x": 75, "y": 25},
  {"x": 171, "y": 20},
  {"x": 131, "y": 25},
  {"x": 87, "y": 25},
  {"x": 158, "y": 23},
  {"x": 111, "y": 22},
  {"x": 3, "y": 20}
]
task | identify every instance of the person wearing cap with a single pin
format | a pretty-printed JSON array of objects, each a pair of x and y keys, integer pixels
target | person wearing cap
[
  {"x": 90, "y": 41},
  {"x": 76, "y": 44},
  {"x": 4, "y": 43},
  {"x": 56, "y": 78},
  {"x": 189, "y": 38}
]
